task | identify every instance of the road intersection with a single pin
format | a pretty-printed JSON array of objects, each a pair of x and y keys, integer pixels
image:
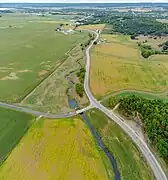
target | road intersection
[{"x": 157, "y": 170}]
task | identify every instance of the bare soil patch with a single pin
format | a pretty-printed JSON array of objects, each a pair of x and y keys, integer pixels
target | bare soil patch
[
  {"x": 12, "y": 76},
  {"x": 42, "y": 73}
]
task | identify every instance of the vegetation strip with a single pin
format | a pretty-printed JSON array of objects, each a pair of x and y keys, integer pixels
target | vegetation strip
[
  {"x": 13, "y": 126},
  {"x": 130, "y": 163},
  {"x": 145, "y": 94},
  {"x": 101, "y": 145}
]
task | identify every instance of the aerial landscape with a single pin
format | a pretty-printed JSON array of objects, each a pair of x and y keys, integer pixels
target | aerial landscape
[{"x": 83, "y": 90}]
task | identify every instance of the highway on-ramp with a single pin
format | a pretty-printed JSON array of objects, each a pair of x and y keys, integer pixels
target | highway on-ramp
[{"x": 157, "y": 170}]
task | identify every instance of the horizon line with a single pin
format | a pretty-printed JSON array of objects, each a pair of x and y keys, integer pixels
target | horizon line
[{"x": 81, "y": 2}]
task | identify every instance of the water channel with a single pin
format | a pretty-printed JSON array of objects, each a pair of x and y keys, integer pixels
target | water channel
[{"x": 74, "y": 105}]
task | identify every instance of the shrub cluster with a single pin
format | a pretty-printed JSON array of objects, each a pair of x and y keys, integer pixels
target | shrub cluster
[
  {"x": 79, "y": 86},
  {"x": 146, "y": 50}
]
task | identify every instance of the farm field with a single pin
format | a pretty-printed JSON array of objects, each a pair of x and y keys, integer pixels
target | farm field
[
  {"x": 153, "y": 41},
  {"x": 30, "y": 50},
  {"x": 42, "y": 154},
  {"x": 51, "y": 95},
  {"x": 13, "y": 126},
  {"x": 92, "y": 27},
  {"x": 129, "y": 160},
  {"x": 117, "y": 64}
]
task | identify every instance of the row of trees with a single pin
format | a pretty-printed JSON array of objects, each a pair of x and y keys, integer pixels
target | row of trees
[
  {"x": 81, "y": 75},
  {"x": 154, "y": 115},
  {"x": 86, "y": 43},
  {"x": 79, "y": 86}
]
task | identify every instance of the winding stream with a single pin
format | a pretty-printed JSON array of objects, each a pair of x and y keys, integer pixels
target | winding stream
[
  {"x": 101, "y": 145},
  {"x": 73, "y": 104}
]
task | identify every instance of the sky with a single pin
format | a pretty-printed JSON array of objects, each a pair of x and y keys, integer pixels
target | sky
[{"x": 80, "y": 1}]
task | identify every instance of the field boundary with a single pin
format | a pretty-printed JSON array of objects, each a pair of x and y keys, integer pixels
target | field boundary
[
  {"x": 34, "y": 119},
  {"x": 47, "y": 77},
  {"x": 120, "y": 91}
]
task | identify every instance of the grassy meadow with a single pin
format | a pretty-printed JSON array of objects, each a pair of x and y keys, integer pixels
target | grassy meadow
[
  {"x": 130, "y": 163},
  {"x": 50, "y": 95},
  {"x": 13, "y": 125},
  {"x": 125, "y": 93},
  {"x": 30, "y": 49},
  {"x": 153, "y": 41},
  {"x": 55, "y": 149},
  {"x": 117, "y": 64}
]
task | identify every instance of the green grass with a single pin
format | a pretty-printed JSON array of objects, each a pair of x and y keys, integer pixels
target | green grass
[
  {"x": 129, "y": 160},
  {"x": 107, "y": 165},
  {"x": 51, "y": 96},
  {"x": 30, "y": 50},
  {"x": 142, "y": 94},
  {"x": 126, "y": 93},
  {"x": 13, "y": 125},
  {"x": 107, "y": 29}
]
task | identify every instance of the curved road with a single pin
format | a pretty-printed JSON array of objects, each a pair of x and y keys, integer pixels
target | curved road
[{"x": 157, "y": 170}]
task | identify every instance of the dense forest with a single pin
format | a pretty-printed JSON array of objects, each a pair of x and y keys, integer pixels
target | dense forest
[
  {"x": 139, "y": 25},
  {"x": 154, "y": 115},
  {"x": 131, "y": 24}
]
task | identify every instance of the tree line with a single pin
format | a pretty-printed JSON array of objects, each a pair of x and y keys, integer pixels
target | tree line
[
  {"x": 131, "y": 24},
  {"x": 154, "y": 115},
  {"x": 139, "y": 25},
  {"x": 79, "y": 86}
]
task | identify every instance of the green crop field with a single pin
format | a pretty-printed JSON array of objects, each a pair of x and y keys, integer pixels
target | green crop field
[
  {"x": 30, "y": 49},
  {"x": 129, "y": 160},
  {"x": 57, "y": 149},
  {"x": 13, "y": 126}
]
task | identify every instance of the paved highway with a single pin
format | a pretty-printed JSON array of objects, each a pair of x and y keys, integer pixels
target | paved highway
[
  {"x": 37, "y": 113},
  {"x": 157, "y": 170}
]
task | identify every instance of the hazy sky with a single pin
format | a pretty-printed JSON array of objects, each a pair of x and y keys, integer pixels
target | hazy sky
[{"x": 81, "y": 1}]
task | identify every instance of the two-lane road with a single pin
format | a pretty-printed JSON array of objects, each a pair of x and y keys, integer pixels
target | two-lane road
[
  {"x": 37, "y": 113},
  {"x": 157, "y": 170}
]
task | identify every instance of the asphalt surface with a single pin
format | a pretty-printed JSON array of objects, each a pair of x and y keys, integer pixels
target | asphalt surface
[
  {"x": 37, "y": 113},
  {"x": 157, "y": 170}
]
